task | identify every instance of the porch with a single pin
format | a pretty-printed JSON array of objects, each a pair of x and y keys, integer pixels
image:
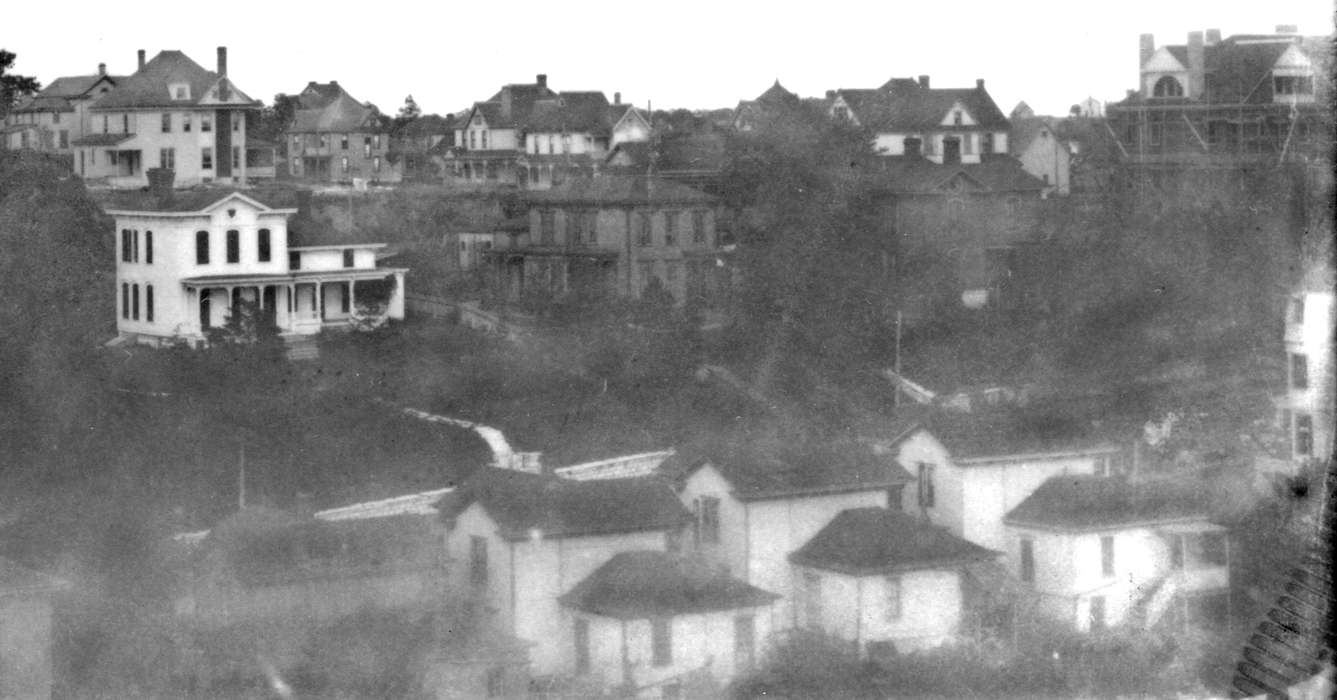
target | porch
[{"x": 295, "y": 304}]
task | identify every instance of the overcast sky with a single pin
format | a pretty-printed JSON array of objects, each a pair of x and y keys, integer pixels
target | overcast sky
[{"x": 689, "y": 53}]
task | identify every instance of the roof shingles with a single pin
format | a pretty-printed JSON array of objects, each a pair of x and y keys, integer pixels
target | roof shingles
[
  {"x": 1093, "y": 502},
  {"x": 638, "y": 585},
  {"x": 863, "y": 541}
]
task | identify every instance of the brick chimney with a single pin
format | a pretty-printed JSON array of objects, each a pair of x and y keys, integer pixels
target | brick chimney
[
  {"x": 101, "y": 69},
  {"x": 617, "y": 98},
  {"x": 1213, "y": 36},
  {"x": 830, "y": 95},
  {"x": 979, "y": 83},
  {"x": 141, "y": 59},
  {"x": 1146, "y": 46},
  {"x": 161, "y": 181},
  {"x": 1197, "y": 65},
  {"x": 223, "y": 91},
  {"x": 222, "y": 60},
  {"x": 923, "y": 81},
  {"x": 542, "y": 80}
]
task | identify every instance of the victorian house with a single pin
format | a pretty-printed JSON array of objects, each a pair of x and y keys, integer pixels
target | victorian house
[
  {"x": 613, "y": 236},
  {"x": 490, "y": 138},
  {"x": 908, "y": 117},
  {"x": 335, "y": 138},
  {"x": 170, "y": 114},
  {"x": 189, "y": 262},
  {"x": 55, "y": 118}
]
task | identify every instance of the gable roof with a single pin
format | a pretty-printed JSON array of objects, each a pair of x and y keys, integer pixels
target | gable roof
[
  {"x": 1236, "y": 68},
  {"x": 570, "y": 112},
  {"x": 57, "y": 96},
  {"x": 620, "y": 189},
  {"x": 993, "y": 434},
  {"x": 195, "y": 200},
  {"x": 863, "y": 541},
  {"x": 1026, "y": 130},
  {"x": 903, "y": 104},
  {"x": 521, "y": 97},
  {"x": 521, "y": 503},
  {"x": 149, "y": 86},
  {"x": 816, "y": 471},
  {"x": 1093, "y": 502},
  {"x": 638, "y": 585},
  {"x": 919, "y": 175},
  {"x": 333, "y": 110}
]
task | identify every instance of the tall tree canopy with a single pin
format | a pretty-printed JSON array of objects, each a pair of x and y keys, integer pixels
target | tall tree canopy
[{"x": 13, "y": 86}]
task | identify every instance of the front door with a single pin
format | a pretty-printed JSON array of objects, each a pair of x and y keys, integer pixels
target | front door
[{"x": 951, "y": 150}]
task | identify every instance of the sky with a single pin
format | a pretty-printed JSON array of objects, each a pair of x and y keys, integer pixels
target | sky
[{"x": 688, "y": 53}]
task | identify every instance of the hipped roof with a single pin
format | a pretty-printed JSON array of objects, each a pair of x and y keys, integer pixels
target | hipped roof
[
  {"x": 150, "y": 86},
  {"x": 643, "y": 584},
  {"x": 863, "y": 541}
]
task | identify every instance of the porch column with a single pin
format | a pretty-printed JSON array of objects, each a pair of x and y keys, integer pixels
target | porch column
[
  {"x": 352, "y": 298},
  {"x": 320, "y": 300},
  {"x": 231, "y": 302}
]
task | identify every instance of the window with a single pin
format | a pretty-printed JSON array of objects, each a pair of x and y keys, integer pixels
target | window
[
  {"x": 366, "y": 146},
  {"x": 1167, "y": 86},
  {"x": 1177, "y": 552},
  {"x": 167, "y": 122},
  {"x": 233, "y": 246},
  {"x": 294, "y": 260},
  {"x": 201, "y": 247},
  {"x": 496, "y": 682},
  {"x": 894, "y": 495},
  {"x": 135, "y": 252},
  {"x": 206, "y": 122},
  {"x": 698, "y": 227},
  {"x": 236, "y": 157},
  {"x": 125, "y": 123},
  {"x": 1299, "y": 371},
  {"x": 167, "y": 158},
  {"x": 547, "y": 226},
  {"x": 482, "y": 139},
  {"x": 262, "y": 245},
  {"x": 1028, "y": 560},
  {"x": 376, "y": 164},
  {"x": 148, "y": 247},
  {"x": 473, "y": 143},
  {"x": 926, "y": 498},
  {"x": 180, "y": 92},
  {"x": 237, "y": 120},
  {"x": 104, "y": 124},
  {"x": 968, "y": 144},
  {"x": 125, "y": 245},
  {"x": 661, "y": 641},
  {"x": 343, "y": 163},
  {"x": 956, "y": 118},
  {"x": 55, "y": 117},
  {"x": 1304, "y": 434},
  {"x": 343, "y": 142},
  {"x": 582, "y": 646},
  {"x": 477, "y": 560},
  {"x": 708, "y": 517},
  {"x": 376, "y": 141},
  {"x": 185, "y": 122},
  {"x": 64, "y": 138},
  {"x": 348, "y": 257},
  {"x": 744, "y": 641},
  {"x": 206, "y": 158},
  {"x": 323, "y": 140},
  {"x": 1297, "y": 309},
  {"x": 125, "y": 301},
  {"x": 644, "y": 236},
  {"x": 134, "y": 302},
  {"x": 148, "y": 303},
  {"x": 1107, "y": 555},
  {"x": 670, "y": 228},
  {"x": 893, "y": 601},
  {"x": 1097, "y": 613},
  {"x": 1293, "y": 85}
]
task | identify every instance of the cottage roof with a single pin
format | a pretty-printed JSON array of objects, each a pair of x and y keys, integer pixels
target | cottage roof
[
  {"x": 576, "y": 112},
  {"x": 1026, "y": 130},
  {"x": 18, "y": 580},
  {"x": 918, "y": 175},
  {"x": 56, "y": 96},
  {"x": 522, "y": 504},
  {"x": 150, "y": 86},
  {"x": 817, "y": 470},
  {"x": 522, "y": 97},
  {"x": 1093, "y": 502},
  {"x": 905, "y": 105},
  {"x": 864, "y": 541},
  {"x": 1003, "y": 433},
  {"x": 195, "y": 200},
  {"x": 636, "y": 585},
  {"x": 620, "y": 189},
  {"x": 332, "y": 110}
]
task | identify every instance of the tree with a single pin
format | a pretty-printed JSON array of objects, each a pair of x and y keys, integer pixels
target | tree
[
  {"x": 13, "y": 86},
  {"x": 408, "y": 112},
  {"x": 274, "y": 118}
]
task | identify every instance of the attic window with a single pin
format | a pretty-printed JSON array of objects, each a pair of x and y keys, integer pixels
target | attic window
[
  {"x": 180, "y": 91},
  {"x": 1167, "y": 87},
  {"x": 956, "y": 118},
  {"x": 1293, "y": 85}
]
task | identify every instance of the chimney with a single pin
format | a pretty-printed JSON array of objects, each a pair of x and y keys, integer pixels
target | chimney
[
  {"x": 101, "y": 69},
  {"x": 1146, "y": 46},
  {"x": 506, "y": 102},
  {"x": 617, "y": 98},
  {"x": 541, "y": 79},
  {"x": 1196, "y": 65},
  {"x": 222, "y": 60},
  {"x": 979, "y": 83},
  {"x": 1213, "y": 36},
  {"x": 1287, "y": 29},
  {"x": 141, "y": 59},
  {"x": 160, "y": 184},
  {"x": 923, "y": 81},
  {"x": 830, "y": 95}
]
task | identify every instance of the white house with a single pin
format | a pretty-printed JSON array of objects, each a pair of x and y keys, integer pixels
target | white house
[
  {"x": 56, "y": 117},
  {"x": 972, "y": 468},
  {"x": 187, "y": 261},
  {"x": 1101, "y": 551},
  {"x": 658, "y": 624},
  {"x": 1042, "y": 153},
  {"x": 749, "y": 516},
  {"x": 908, "y": 117},
  {"x": 1308, "y": 401},
  {"x": 523, "y": 540},
  {"x": 884, "y": 580},
  {"x": 172, "y": 114}
]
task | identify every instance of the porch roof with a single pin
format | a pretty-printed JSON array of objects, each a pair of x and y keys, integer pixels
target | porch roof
[
  {"x": 103, "y": 139},
  {"x": 293, "y": 276}
]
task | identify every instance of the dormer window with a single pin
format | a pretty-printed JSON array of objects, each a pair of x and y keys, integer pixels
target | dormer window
[
  {"x": 956, "y": 118},
  {"x": 1167, "y": 87},
  {"x": 180, "y": 91},
  {"x": 1286, "y": 85}
]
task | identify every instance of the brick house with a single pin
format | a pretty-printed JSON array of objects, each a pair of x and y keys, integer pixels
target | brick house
[
  {"x": 335, "y": 138},
  {"x": 170, "y": 114},
  {"x": 613, "y": 236}
]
